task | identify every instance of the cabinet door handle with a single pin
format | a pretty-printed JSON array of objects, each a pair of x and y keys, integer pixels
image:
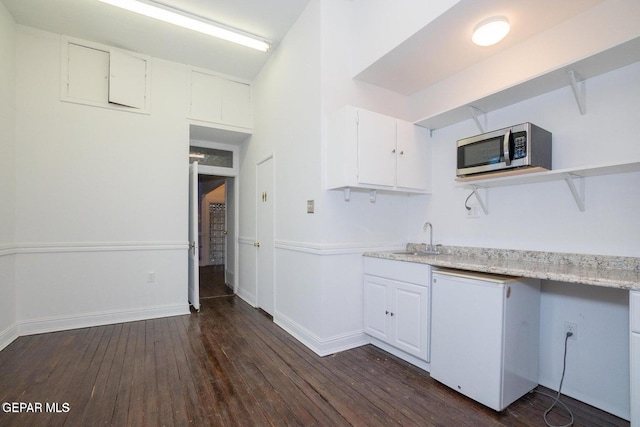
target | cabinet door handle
[
  {"x": 401, "y": 153},
  {"x": 391, "y": 314},
  {"x": 393, "y": 151},
  {"x": 386, "y": 312}
]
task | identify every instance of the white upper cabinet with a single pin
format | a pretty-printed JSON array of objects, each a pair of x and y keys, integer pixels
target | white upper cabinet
[
  {"x": 369, "y": 150},
  {"x": 376, "y": 148},
  {"x": 236, "y": 103},
  {"x": 413, "y": 156},
  {"x": 219, "y": 100},
  {"x": 127, "y": 80},
  {"x": 87, "y": 76},
  {"x": 99, "y": 75}
]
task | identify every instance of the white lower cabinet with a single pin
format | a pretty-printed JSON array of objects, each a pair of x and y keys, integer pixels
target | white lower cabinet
[
  {"x": 634, "y": 316},
  {"x": 396, "y": 304}
]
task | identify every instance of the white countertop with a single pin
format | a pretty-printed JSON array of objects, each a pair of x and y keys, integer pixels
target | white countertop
[{"x": 607, "y": 271}]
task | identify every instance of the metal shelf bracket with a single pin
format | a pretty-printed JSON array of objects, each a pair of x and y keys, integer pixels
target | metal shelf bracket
[
  {"x": 578, "y": 193},
  {"x": 479, "y": 199},
  {"x": 579, "y": 90},
  {"x": 475, "y": 112}
]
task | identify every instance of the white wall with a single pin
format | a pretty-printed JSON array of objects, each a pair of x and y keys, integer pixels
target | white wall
[
  {"x": 287, "y": 125},
  {"x": 8, "y": 331},
  {"x": 101, "y": 198},
  {"x": 379, "y": 26},
  {"x": 318, "y": 256},
  {"x": 545, "y": 217}
]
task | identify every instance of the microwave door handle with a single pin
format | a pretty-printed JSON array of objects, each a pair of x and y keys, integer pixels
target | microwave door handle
[{"x": 505, "y": 144}]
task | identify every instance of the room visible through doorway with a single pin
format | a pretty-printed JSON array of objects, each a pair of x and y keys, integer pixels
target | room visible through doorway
[{"x": 212, "y": 232}]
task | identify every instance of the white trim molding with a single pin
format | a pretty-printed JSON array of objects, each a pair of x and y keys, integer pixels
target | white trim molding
[
  {"x": 57, "y": 247},
  {"x": 321, "y": 346},
  {"x": 244, "y": 240},
  {"x": 8, "y": 336},
  {"x": 62, "y": 323},
  {"x": 337, "y": 248},
  {"x": 6, "y": 250}
]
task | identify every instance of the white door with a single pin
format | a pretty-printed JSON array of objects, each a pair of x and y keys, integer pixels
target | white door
[
  {"x": 265, "y": 233},
  {"x": 194, "y": 279}
]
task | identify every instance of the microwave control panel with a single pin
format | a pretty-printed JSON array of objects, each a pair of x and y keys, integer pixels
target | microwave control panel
[{"x": 519, "y": 145}]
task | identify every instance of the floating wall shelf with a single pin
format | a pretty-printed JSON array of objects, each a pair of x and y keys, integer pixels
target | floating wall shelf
[
  {"x": 573, "y": 75},
  {"x": 573, "y": 177}
]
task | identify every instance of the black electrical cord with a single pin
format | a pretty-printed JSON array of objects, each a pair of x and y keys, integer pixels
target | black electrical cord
[
  {"x": 467, "y": 200},
  {"x": 557, "y": 398}
]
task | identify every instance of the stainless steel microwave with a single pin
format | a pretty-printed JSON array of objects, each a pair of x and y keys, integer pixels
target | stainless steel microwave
[{"x": 521, "y": 146}]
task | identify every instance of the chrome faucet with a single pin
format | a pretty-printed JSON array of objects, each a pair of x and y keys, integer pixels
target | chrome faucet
[{"x": 424, "y": 228}]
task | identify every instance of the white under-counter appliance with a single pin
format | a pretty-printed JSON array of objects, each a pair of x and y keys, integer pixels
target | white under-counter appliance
[{"x": 484, "y": 335}]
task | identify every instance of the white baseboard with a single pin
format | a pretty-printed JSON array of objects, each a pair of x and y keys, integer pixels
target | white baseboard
[
  {"x": 246, "y": 297},
  {"x": 8, "y": 336},
  {"x": 62, "y": 323},
  {"x": 322, "y": 347}
]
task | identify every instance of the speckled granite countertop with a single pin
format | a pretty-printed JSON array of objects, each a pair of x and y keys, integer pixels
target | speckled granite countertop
[{"x": 608, "y": 271}]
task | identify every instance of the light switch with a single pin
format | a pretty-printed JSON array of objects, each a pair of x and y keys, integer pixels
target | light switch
[{"x": 310, "y": 206}]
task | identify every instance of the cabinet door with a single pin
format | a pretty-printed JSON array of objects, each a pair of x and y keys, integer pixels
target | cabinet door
[
  {"x": 87, "y": 74},
  {"x": 376, "y": 149},
  {"x": 206, "y": 97},
  {"x": 412, "y": 150},
  {"x": 409, "y": 305},
  {"x": 375, "y": 307},
  {"x": 127, "y": 80},
  {"x": 236, "y": 103},
  {"x": 635, "y": 379},
  {"x": 634, "y": 323}
]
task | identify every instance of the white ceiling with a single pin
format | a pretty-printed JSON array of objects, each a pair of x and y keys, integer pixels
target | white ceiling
[
  {"x": 444, "y": 48},
  {"x": 102, "y": 23},
  {"x": 440, "y": 49}
]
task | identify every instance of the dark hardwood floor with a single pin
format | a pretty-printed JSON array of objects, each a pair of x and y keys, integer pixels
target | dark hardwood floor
[
  {"x": 231, "y": 365},
  {"x": 212, "y": 283}
]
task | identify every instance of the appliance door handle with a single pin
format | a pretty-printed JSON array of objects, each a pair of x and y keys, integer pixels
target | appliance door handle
[{"x": 505, "y": 145}]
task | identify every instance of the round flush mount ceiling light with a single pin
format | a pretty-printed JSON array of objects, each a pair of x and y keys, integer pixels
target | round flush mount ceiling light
[{"x": 491, "y": 31}]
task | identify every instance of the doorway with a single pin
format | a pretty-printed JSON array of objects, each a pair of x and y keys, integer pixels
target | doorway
[
  {"x": 265, "y": 225},
  {"x": 212, "y": 236},
  {"x": 213, "y": 221}
]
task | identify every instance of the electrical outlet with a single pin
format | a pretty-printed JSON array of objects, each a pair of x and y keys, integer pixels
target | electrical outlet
[
  {"x": 151, "y": 277},
  {"x": 474, "y": 212},
  {"x": 573, "y": 328}
]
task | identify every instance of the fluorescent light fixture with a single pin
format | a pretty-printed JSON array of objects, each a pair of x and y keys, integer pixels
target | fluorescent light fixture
[
  {"x": 179, "y": 18},
  {"x": 491, "y": 31},
  {"x": 196, "y": 156}
]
